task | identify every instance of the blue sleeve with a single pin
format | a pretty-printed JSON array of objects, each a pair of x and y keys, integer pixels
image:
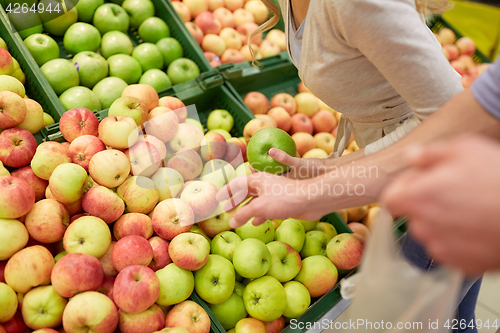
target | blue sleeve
[{"x": 486, "y": 89}]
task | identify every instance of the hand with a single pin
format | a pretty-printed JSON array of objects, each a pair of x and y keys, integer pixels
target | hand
[
  {"x": 451, "y": 196},
  {"x": 273, "y": 197},
  {"x": 301, "y": 168}
]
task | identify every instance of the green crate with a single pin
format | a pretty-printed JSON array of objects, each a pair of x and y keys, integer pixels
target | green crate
[
  {"x": 437, "y": 22},
  {"x": 37, "y": 87}
]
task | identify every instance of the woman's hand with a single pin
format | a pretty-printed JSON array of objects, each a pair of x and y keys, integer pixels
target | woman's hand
[
  {"x": 301, "y": 168},
  {"x": 273, "y": 197}
]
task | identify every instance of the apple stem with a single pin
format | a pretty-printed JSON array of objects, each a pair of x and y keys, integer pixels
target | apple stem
[{"x": 224, "y": 238}]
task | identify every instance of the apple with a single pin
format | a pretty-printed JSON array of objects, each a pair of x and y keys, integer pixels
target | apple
[
  {"x": 172, "y": 217},
  {"x": 466, "y": 46},
  {"x": 6, "y": 63},
  {"x": 131, "y": 250},
  {"x": 324, "y": 121},
  {"x": 33, "y": 122},
  {"x": 42, "y": 307},
  {"x": 213, "y": 146},
  {"x": 136, "y": 280},
  {"x": 189, "y": 251},
  {"x": 325, "y": 141},
  {"x": 182, "y": 70},
  {"x": 139, "y": 194},
  {"x": 176, "y": 105},
  {"x": 355, "y": 214},
  {"x": 78, "y": 122},
  {"x": 17, "y": 197},
  {"x": 298, "y": 299},
  {"x": 318, "y": 275},
  {"x": 46, "y": 222},
  {"x": 267, "y": 119},
  {"x": 276, "y": 325},
  {"x": 251, "y": 258},
  {"x": 253, "y": 126},
  {"x": 176, "y": 284},
  {"x": 81, "y": 37},
  {"x": 157, "y": 79},
  {"x": 61, "y": 74},
  {"x": 109, "y": 168},
  {"x": 196, "y": 7},
  {"x": 10, "y": 83},
  {"x": 316, "y": 153},
  {"x": 89, "y": 235},
  {"x": 90, "y": 310},
  {"x": 13, "y": 109},
  {"x": 162, "y": 123},
  {"x": 309, "y": 225},
  {"x": 102, "y": 202},
  {"x": 214, "y": 4},
  {"x": 168, "y": 182},
  {"x": 278, "y": 37},
  {"x": 15, "y": 324},
  {"x": 125, "y": 67},
  {"x": 107, "y": 263},
  {"x": 182, "y": 10},
  {"x": 161, "y": 257},
  {"x": 223, "y": 132},
  {"x": 246, "y": 30},
  {"x": 144, "y": 158},
  {"x": 301, "y": 123},
  {"x": 236, "y": 153},
  {"x": 232, "y": 5},
  {"x": 153, "y": 29},
  {"x": 109, "y": 90},
  {"x": 269, "y": 48},
  {"x": 245, "y": 52},
  {"x": 133, "y": 224},
  {"x": 4, "y": 171},
  {"x": 224, "y": 244},
  {"x": 231, "y": 38},
  {"x": 190, "y": 316},
  {"x": 315, "y": 244},
  {"x": 208, "y": 23},
  {"x": 216, "y": 224},
  {"x": 115, "y": 42},
  {"x": 345, "y": 251},
  {"x": 225, "y": 17},
  {"x": 17, "y": 147},
  {"x": 86, "y": 9},
  {"x": 359, "y": 229},
  {"x": 138, "y": 11},
  {"x": 285, "y": 261},
  {"x": 213, "y": 43},
  {"x": 92, "y": 68},
  {"x": 327, "y": 228},
  {"x": 231, "y": 311},
  {"x": 291, "y": 232},
  {"x": 109, "y": 17},
  {"x": 256, "y": 102},
  {"x": 187, "y": 162},
  {"x": 263, "y": 232},
  {"x": 304, "y": 142},
  {"x": 29, "y": 268},
  {"x": 130, "y": 106},
  {"x": 14, "y": 237},
  {"x": 200, "y": 195},
  {"x": 243, "y": 170},
  {"x": 186, "y": 137},
  {"x": 258, "y": 9},
  {"x": 83, "y": 148},
  {"x": 119, "y": 132},
  {"x": 220, "y": 119},
  {"x": 231, "y": 55},
  {"x": 9, "y": 303},
  {"x": 148, "y": 55},
  {"x": 242, "y": 16},
  {"x": 75, "y": 273},
  {"x": 265, "y": 298},
  {"x": 307, "y": 103},
  {"x": 149, "y": 320},
  {"x": 281, "y": 117},
  {"x": 261, "y": 142},
  {"x": 67, "y": 182},
  {"x": 42, "y": 47},
  {"x": 214, "y": 282},
  {"x": 446, "y": 36},
  {"x": 80, "y": 97},
  {"x": 47, "y": 157},
  {"x": 171, "y": 50},
  {"x": 250, "y": 325},
  {"x": 195, "y": 31}
]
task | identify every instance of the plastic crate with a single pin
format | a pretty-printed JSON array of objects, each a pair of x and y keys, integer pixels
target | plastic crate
[
  {"x": 37, "y": 87},
  {"x": 437, "y": 22}
]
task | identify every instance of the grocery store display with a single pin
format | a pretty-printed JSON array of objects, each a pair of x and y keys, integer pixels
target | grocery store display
[{"x": 222, "y": 29}]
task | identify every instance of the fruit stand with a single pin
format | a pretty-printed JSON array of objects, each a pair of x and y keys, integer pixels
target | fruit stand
[{"x": 108, "y": 178}]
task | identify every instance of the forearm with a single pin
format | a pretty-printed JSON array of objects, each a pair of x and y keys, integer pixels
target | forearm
[{"x": 462, "y": 114}]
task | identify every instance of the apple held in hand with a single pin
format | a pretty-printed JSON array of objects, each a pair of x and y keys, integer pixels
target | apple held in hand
[
  {"x": 47, "y": 221},
  {"x": 13, "y": 237},
  {"x": 109, "y": 168},
  {"x": 136, "y": 288},
  {"x": 172, "y": 217},
  {"x": 251, "y": 258},
  {"x": 89, "y": 235},
  {"x": 315, "y": 244},
  {"x": 43, "y": 307},
  {"x": 9, "y": 303},
  {"x": 285, "y": 261},
  {"x": 75, "y": 273},
  {"x": 176, "y": 284},
  {"x": 298, "y": 299},
  {"x": 17, "y": 197},
  {"x": 90, "y": 310},
  {"x": 149, "y": 320},
  {"x": 131, "y": 250},
  {"x": 231, "y": 311},
  {"x": 345, "y": 251},
  {"x": 318, "y": 275},
  {"x": 265, "y": 298},
  {"x": 17, "y": 147},
  {"x": 261, "y": 142}
]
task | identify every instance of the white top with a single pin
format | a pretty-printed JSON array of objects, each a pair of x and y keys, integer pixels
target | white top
[
  {"x": 377, "y": 63},
  {"x": 295, "y": 40}
]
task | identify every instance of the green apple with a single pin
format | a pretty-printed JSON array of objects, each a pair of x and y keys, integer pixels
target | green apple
[
  {"x": 47, "y": 120},
  {"x": 182, "y": 70},
  {"x": 222, "y": 132},
  {"x": 232, "y": 310},
  {"x": 265, "y": 299},
  {"x": 18, "y": 72},
  {"x": 327, "y": 228},
  {"x": 3, "y": 45},
  {"x": 26, "y": 23},
  {"x": 109, "y": 90},
  {"x": 109, "y": 17},
  {"x": 176, "y": 284},
  {"x": 42, "y": 47},
  {"x": 315, "y": 244},
  {"x": 60, "y": 255},
  {"x": 157, "y": 79},
  {"x": 261, "y": 142},
  {"x": 130, "y": 107},
  {"x": 43, "y": 307},
  {"x": 67, "y": 182},
  {"x": 37, "y": 29},
  {"x": 8, "y": 305},
  {"x": 263, "y": 232},
  {"x": 309, "y": 225},
  {"x": 251, "y": 258},
  {"x": 243, "y": 169},
  {"x": 61, "y": 74},
  {"x": 196, "y": 229},
  {"x": 148, "y": 55},
  {"x": 168, "y": 182},
  {"x": 115, "y": 42},
  {"x": 224, "y": 244},
  {"x": 87, "y": 8},
  {"x": 285, "y": 261},
  {"x": 80, "y": 97},
  {"x": 170, "y": 48},
  {"x": 125, "y": 67},
  {"x": 89, "y": 235},
  {"x": 92, "y": 68},
  {"x": 9, "y": 83},
  {"x": 318, "y": 274},
  {"x": 214, "y": 282},
  {"x": 194, "y": 123},
  {"x": 153, "y": 29},
  {"x": 138, "y": 11},
  {"x": 81, "y": 37},
  {"x": 60, "y": 24},
  {"x": 220, "y": 119},
  {"x": 297, "y": 299},
  {"x": 292, "y": 232}
]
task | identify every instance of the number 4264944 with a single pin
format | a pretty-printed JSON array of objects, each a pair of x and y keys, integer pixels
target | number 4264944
[{"x": 24, "y": 8}]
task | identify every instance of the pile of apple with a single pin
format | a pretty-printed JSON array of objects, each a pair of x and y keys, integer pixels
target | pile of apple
[
  {"x": 459, "y": 52},
  {"x": 104, "y": 60},
  {"x": 301, "y": 116},
  {"x": 222, "y": 28}
]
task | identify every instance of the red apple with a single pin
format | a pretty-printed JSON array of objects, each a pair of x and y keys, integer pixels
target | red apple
[
  {"x": 459, "y": 67},
  {"x": 301, "y": 123},
  {"x": 268, "y": 48},
  {"x": 38, "y": 184},
  {"x": 103, "y": 203},
  {"x": 253, "y": 126},
  {"x": 275, "y": 326},
  {"x": 187, "y": 162},
  {"x": 256, "y": 102},
  {"x": 359, "y": 229},
  {"x": 195, "y": 31},
  {"x": 208, "y": 23},
  {"x": 451, "y": 52},
  {"x": 200, "y": 196},
  {"x": 136, "y": 288},
  {"x": 83, "y": 148},
  {"x": 186, "y": 136},
  {"x": 75, "y": 273},
  {"x": 107, "y": 286},
  {"x": 133, "y": 224},
  {"x": 144, "y": 93},
  {"x": 246, "y": 30},
  {"x": 131, "y": 250},
  {"x": 232, "y": 55},
  {"x": 17, "y": 197},
  {"x": 345, "y": 251},
  {"x": 3, "y": 263},
  {"x": 107, "y": 262},
  {"x": 446, "y": 36},
  {"x": 47, "y": 157},
  {"x": 78, "y": 122},
  {"x": 213, "y": 59},
  {"x": 466, "y": 46},
  {"x": 282, "y": 118},
  {"x": 286, "y": 101},
  {"x": 172, "y": 217},
  {"x": 162, "y": 123},
  {"x": 225, "y": 16},
  {"x": 144, "y": 159},
  {"x": 214, "y": 4},
  {"x": 159, "y": 145},
  {"x": 17, "y": 147},
  {"x": 182, "y": 10},
  {"x": 13, "y": 109},
  {"x": 189, "y": 251},
  {"x": 176, "y": 105},
  {"x": 324, "y": 121},
  {"x": 47, "y": 221},
  {"x": 190, "y": 316},
  {"x": 236, "y": 152},
  {"x": 161, "y": 258},
  {"x": 304, "y": 142},
  {"x": 149, "y": 320},
  {"x": 16, "y": 324},
  {"x": 213, "y": 146}
]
